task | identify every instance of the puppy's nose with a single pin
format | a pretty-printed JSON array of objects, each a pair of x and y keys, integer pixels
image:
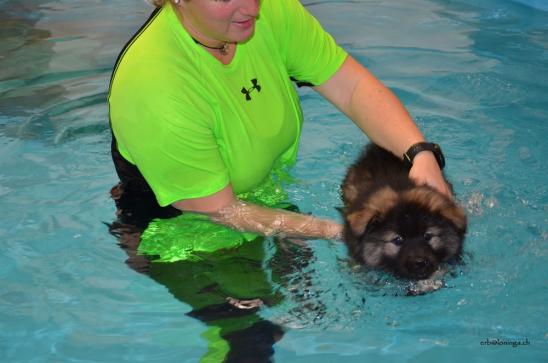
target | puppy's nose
[
  {"x": 421, "y": 264},
  {"x": 420, "y": 267}
]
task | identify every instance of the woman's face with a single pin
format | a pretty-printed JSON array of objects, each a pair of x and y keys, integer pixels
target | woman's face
[{"x": 220, "y": 20}]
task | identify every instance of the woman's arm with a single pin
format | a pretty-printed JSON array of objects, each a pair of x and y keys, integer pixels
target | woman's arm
[
  {"x": 379, "y": 113},
  {"x": 224, "y": 208}
]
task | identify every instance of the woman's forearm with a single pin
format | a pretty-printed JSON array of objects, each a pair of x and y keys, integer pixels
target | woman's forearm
[
  {"x": 380, "y": 114},
  {"x": 270, "y": 222},
  {"x": 224, "y": 208},
  {"x": 372, "y": 107}
]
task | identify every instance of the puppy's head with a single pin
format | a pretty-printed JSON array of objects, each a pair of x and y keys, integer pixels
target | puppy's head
[{"x": 409, "y": 233}]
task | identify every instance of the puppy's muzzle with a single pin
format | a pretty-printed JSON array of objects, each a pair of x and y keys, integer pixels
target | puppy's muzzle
[
  {"x": 418, "y": 262},
  {"x": 420, "y": 267}
]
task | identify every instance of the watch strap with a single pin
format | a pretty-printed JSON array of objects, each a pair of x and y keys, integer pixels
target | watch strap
[{"x": 424, "y": 146}]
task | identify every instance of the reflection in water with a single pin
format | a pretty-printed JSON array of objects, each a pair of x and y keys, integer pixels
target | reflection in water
[
  {"x": 225, "y": 289},
  {"x": 55, "y": 63},
  {"x": 240, "y": 334},
  {"x": 21, "y": 39}
]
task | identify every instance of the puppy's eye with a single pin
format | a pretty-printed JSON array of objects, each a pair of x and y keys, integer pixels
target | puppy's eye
[
  {"x": 371, "y": 225},
  {"x": 398, "y": 240},
  {"x": 428, "y": 235}
]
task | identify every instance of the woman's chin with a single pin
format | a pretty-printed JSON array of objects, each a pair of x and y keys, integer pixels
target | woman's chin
[{"x": 242, "y": 33}]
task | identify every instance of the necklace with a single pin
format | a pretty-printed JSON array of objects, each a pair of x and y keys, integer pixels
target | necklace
[{"x": 223, "y": 49}]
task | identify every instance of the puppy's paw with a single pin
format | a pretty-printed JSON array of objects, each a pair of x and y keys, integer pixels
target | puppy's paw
[{"x": 422, "y": 287}]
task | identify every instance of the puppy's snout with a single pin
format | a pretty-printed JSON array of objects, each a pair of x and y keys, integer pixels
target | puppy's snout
[
  {"x": 421, "y": 264},
  {"x": 420, "y": 267}
]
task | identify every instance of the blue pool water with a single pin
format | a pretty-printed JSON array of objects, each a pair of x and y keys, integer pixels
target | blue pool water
[{"x": 474, "y": 74}]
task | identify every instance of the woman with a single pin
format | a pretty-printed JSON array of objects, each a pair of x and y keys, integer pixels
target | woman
[{"x": 202, "y": 109}]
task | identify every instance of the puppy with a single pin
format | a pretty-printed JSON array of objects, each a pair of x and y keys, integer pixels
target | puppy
[{"x": 394, "y": 224}]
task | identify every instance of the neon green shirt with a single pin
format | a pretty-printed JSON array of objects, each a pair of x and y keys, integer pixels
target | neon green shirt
[{"x": 193, "y": 125}]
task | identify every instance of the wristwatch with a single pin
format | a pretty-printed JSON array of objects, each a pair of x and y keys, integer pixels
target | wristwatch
[{"x": 424, "y": 146}]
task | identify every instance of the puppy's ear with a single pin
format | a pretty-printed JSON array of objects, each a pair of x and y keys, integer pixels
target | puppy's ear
[
  {"x": 349, "y": 187},
  {"x": 373, "y": 209},
  {"x": 456, "y": 215},
  {"x": 359, "y": 220}
]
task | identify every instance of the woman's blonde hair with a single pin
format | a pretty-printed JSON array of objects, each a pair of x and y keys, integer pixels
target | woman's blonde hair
[{"x": 157, "y": 2}]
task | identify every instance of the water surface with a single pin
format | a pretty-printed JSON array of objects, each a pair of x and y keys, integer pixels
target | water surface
[{"x": 474, "y": 76}]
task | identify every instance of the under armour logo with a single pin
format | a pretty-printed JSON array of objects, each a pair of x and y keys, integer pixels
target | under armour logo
[{"x": 246, "y": 91}]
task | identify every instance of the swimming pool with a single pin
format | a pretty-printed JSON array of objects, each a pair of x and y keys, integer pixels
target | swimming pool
[{"x": 474, "y": 76}]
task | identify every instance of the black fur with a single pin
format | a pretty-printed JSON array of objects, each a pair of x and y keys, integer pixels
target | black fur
[{"x": 391, "y": 223}]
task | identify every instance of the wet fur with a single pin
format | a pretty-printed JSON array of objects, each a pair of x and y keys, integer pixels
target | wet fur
[{"x": 393, "y": 224}]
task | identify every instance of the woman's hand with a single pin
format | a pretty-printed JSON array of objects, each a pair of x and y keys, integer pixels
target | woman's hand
[
  {"x": 333, "y": 231},
  {"x": 425, "y": 170}
]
